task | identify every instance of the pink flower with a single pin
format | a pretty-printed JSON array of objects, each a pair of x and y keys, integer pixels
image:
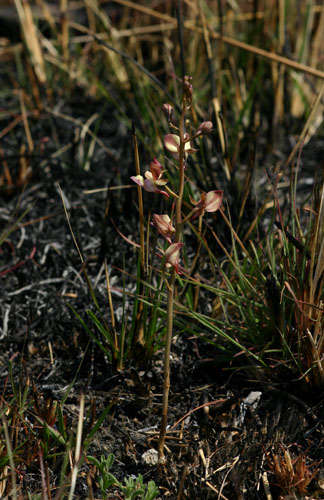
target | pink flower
[
  {"x": 164, "y": 226},
  {"x": 153, "y": 178},
  {"x": 172, "y": 144},
  {"x": 209, "y": 202},
  {"x": 172, "y": 257}
]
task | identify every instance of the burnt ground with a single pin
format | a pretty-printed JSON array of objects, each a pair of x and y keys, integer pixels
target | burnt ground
[{"x": 224, "y": 449}]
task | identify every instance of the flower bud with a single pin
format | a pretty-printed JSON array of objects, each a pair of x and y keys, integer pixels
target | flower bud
[
  {"x": 168, "y": 111},
  {"x": 164, "y": 226}
]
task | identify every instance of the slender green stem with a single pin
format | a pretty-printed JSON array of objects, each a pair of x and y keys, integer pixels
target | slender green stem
[{"x": 139, "y": 337}]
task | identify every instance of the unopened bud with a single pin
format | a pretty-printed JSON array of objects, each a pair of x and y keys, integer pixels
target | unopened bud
[
  {"x": 168, "y": 111},
  {"x": 164, "y": 226}
]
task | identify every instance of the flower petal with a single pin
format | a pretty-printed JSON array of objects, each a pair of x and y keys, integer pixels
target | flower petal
[
  {"x": 162, "y": 192},
  {"x": 138, "y": 179},
  {"x": 148, "y": 175},
  {"x": 172, "y": 254},
  {"x": 172, "y": 143},
  {"x": 156, "y": 169},
  {"x": 161, "y": 182},
  {"x": 213, "y": 201},
  {"x": 149, "y": 186}
]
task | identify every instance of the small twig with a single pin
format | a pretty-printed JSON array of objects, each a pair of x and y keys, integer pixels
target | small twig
[
  {"x": 19, "y": 264},
  {"x": 217, "y": 402}
]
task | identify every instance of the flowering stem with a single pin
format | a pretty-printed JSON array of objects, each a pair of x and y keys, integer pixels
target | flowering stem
[
  {"x": 171, "y": 293},
  {"x": 181, "y": 176},
  {"x": 167, "y": 352},
  {"x": 196, "y": 296}
]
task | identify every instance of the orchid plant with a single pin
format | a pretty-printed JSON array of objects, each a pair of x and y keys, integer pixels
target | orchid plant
[{"x": 179, "y": 145}]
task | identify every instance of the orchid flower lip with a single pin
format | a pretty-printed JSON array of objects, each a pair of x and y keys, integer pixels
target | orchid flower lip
[{"x": 149, "y": 185}]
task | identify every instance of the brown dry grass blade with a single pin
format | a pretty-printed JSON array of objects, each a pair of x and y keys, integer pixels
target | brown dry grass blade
[{"x": 32, "y": 41}]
